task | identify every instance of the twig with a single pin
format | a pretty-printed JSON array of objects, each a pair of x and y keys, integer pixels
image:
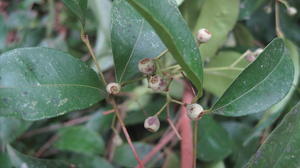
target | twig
[
  {"x": 133, "y": 80},
  {"x": 57, "y": 126},
  {"x": 277, "y": 19},
  {"x": 114, "y": 104},
  {"x": 171, "y": 123},
  {"x": 112, "y": 146},
  {"x": 165, "y": 140},
  {"x": 108, "y": 112},
  {"x": 85, "y": 39},
  {"x": 162, "y": 54},
  {"x": 239, "y": 59},
  {"x": 46, "y": 146},
  {"x": 174, "y": 128}
]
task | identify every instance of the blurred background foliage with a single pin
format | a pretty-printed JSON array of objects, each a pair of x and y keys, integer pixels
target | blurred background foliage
[{"x": 83, "y": 138}]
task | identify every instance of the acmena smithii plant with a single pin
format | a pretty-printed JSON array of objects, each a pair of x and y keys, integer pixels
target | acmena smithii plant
[{"x": 149, "y": 83}]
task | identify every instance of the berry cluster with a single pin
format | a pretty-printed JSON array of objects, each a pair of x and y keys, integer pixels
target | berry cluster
[{"x": 160, "y": 83}]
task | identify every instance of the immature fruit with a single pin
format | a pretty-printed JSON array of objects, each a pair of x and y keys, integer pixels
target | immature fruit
[
  {"x": 113, "y": 88},
  {"x": 194, "y": 111},
  {"x": 292, "y": 11},
  {"x": 117, "y": 140},
  {"x": 203, "y": 36},
  {"x": 157, "y": 83},
  {"x": 258, "y": 51},
  {"x": 147, "y": 66},
  {"x": 250, "y": 57},
  {"x": 152, "y": 124}
]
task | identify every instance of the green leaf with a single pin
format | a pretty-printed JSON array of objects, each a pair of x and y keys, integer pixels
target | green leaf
[
  {"x": 218, "y": 81},
  {"x": 219, "y": 17},
  {"x": 172, "y": 160},
  {"x": 100, "y": 122},
  {"x": 81, "y": 140},
  {"x": 216, "y": 164},
  {"x": 243, "y": 36},
  {"x": 213, "y": 141},
  {"x": 124, "y": 157},
  {"x": 262, "y": 84},
  {"x": 190, "y": 10},
  {"x": 5, "y": 161},
  {"x": 84, "y": 161},
  {"x": 132, "y": 40},
  {"x": 238, "y": 132},
  {"x": 18, "y": 159},
  {"x": 38, "y": 83},
  {"x": 78, "y": 7},
  {"x": 281, "y": 147},
  {"x": 165, "y": 18},
  {"x": 11, "y": 128},
  {"x": 273, "y": 113},
  {"x": 248, "y": 7}
]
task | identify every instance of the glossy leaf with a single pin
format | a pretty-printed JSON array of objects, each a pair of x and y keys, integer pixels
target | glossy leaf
[
  {"x": 214, "y": 143},
  {"x": 124, "y": 157},
  {"x": 78, "y": 7},
  {"x": 274, "y": 112},
  {"x": 11, "y": 128},
  {"x": 38, "y": 83},
  {"x": 219, "y": 17},
  {"x": 262, "y": 84},
  {"x": 20, "y": 160},
  {"x": 81, "y": 140},
  {"x": 165, "y": 18},
  {"x": 281, "y": 147},
  {"x": 218, "y": 81},
  {"x": 132, "y": 40}
]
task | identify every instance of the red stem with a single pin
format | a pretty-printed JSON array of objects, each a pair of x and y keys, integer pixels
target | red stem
[
  {"x": 165, "y": 140},
  {"x": 186, "y": 133},
  {"x": 117, "y": 112}
]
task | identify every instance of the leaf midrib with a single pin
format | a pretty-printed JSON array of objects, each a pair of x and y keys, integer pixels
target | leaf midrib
[
  {"x": 133, "y": 51},
  {"x": 245, "y": 93}
]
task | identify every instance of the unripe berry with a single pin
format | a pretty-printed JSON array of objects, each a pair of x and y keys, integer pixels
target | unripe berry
[
  {"x": 292, "y": 11},
  {"x": 152, "y": 124},
  {"x": 203, "y": 36},
  {"x": 194, "y": 111},
  {"x": 157, "y": 83},
  {"x": 257, "y": 52},
  {"x": 113, "y": 88},
  {"x": 250, "y": 57},
  {"x": 117, "y": 140},
  {"x": 147, "y": 66}
]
